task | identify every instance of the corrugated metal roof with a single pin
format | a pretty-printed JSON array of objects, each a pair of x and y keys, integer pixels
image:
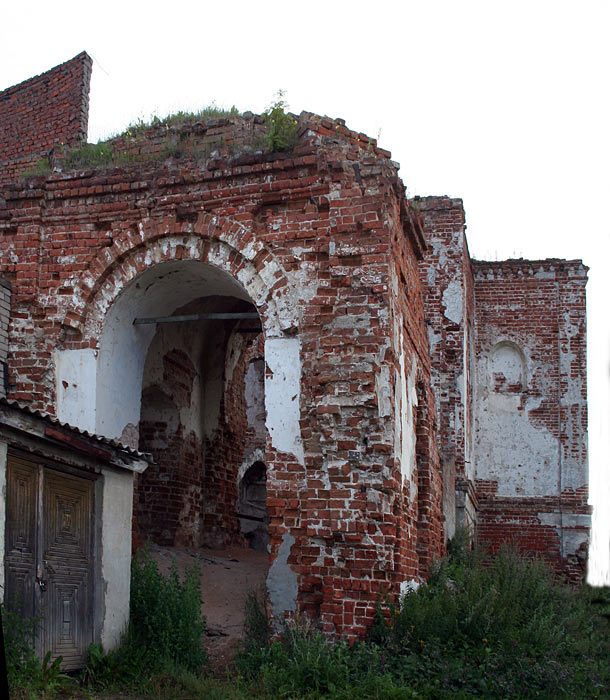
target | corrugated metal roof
[{"x": 66, "y": 426}]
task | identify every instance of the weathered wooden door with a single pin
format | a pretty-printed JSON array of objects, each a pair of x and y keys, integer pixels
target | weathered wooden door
[{"x": 49, "y": 556}]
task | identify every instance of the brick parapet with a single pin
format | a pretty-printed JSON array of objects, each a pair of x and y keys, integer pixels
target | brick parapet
[{"x": 43, "y": 113}]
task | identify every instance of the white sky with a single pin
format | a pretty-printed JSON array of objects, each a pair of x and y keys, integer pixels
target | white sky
[{"x": 504, "y": 104}]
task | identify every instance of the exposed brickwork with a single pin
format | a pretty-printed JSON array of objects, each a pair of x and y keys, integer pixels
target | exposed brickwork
[
  {"x": 382, "y": 353},
  {"x": 43, "y": 113},
  {"x": 525, "y": 492},
  {"x": 449, "y": 303}
]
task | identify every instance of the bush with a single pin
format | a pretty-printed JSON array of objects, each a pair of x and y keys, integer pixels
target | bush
[
  {"x": 481, "y": 628},
  {"x": 165, "y": 613},
  {"x": 281, "y": 127},
  {"x": 164, "y": 635}
]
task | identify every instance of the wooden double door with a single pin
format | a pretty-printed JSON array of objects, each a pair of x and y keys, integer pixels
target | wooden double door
[{"x": 49, "y": 555}]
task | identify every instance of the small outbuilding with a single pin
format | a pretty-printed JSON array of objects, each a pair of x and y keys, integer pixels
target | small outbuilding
[{"x": 66, "y": 530}]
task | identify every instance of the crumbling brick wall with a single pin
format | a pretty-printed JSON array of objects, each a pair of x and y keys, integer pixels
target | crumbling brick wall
[
  {"x": 383, "y": 343},
  {"x": 449, "y": 302},
  {"x": 325, "y": 228},
  {"x": 531, "y": 448},
  {"x": 43, "y": 113}
]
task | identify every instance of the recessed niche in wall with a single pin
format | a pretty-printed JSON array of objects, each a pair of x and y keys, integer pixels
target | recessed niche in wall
[{"x": 507, "y": 368}]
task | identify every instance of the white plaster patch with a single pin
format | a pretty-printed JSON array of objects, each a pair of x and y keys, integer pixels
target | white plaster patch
[
  {"x": 521, "y": 456},
  {"x": 383, "y": 389},
  {"x": 405, "y": 399},
  {"x": 282, "y": 395},
  {"x": 75, "y": 379},
  {"x": 453, "y": 301},
  {"x": 573, "y": 539},
  {"x": 282, "y": 581}
]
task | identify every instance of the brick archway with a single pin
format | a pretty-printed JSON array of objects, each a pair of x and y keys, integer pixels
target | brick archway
[{"x": 218, "y": 241}]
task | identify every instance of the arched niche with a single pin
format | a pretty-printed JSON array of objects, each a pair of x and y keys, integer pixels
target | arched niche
[{"x": 507, "y": 368}]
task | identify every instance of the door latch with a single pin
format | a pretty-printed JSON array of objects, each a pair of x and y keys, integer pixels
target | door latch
[{"x": 40, "y": 580}]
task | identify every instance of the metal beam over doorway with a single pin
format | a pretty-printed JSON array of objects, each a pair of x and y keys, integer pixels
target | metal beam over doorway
[{"x": 198, "y": 317}]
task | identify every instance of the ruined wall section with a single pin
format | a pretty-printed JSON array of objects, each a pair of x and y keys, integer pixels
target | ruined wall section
[
  {"x": 43, "y": 113},
  {"x": 531, "y": 449},
  {"x": 421, "y": 527},
  {"x": 449, "y": 301},
  {"x": 315, "y": 229}
]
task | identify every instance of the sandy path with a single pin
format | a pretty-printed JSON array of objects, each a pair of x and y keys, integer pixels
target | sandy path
[{"x": 226, "y": 578}]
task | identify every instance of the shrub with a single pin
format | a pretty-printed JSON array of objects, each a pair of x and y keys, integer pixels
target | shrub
[
  {"x": 281, "y": 127},
  {"x": 481, "y": 628},
  {"x": 165, "y": 613},
  {"x": 22, "y": 665}
]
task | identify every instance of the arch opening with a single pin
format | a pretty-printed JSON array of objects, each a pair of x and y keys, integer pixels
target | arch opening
[{"x": 178, "y": 390}]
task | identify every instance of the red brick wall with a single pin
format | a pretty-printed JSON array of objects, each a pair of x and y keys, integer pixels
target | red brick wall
[
  {"x": 43, "y": 113},
  {"x": 329, "y": 220},
  {"x": 449, "y": 304},
  {"x": 532, "y": 482}
]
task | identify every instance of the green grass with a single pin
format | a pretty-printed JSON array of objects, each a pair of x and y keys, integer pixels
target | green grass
[
  {"x": 205, "y": 114},
  {"x": 280, "y": 134},
  {"x": 481, "y": 628}
]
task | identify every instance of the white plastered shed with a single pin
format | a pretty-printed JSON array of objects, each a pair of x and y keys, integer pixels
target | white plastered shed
[{"x": 65, "y": 530}]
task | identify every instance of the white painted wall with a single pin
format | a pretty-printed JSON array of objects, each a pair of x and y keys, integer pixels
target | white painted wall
[
  {"x": 522, "y": 456},
  {"x": 158, "y": 291},
  {"x": 75, "y": 377},
  {"x": 117, "y": 500}
]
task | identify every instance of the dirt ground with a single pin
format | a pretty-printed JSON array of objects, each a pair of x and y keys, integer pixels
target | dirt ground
[{"x": 226, "y": 578}]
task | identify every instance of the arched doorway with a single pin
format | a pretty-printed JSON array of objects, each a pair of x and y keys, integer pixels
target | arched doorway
[{"x": 175, "y": 350}]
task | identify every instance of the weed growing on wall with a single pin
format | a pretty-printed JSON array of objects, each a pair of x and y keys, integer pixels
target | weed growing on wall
[
  {"x": 205, "y": 114},
  {"x": 281, "y": 127}
]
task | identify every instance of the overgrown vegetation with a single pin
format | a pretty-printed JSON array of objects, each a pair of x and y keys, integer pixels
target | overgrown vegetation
[
  {"x": 481, "y": 628},
  {"x": 499, "y": 628},
  {"x": 280, "y": 134},
  {"x": 205, "y": 114},
  {"x": 281, "y": 126}
]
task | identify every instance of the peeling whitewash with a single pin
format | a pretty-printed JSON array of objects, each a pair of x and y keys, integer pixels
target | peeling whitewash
[
  {"x": 282, "y": 395},
  {"x": 453, "y": 300},
  {"x": 117, "y": 500},
  {"x": 405, "y": 402},
  {"x": 159, "y": 291},
  {"x": 520, "y": 455}
]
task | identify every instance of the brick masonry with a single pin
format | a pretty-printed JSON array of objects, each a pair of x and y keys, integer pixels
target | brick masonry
[
  {"x": 390, "y": 356},
  {"x": 42, "y": 114}
]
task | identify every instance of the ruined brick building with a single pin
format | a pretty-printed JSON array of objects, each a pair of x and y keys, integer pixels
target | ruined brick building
[{"x": 313, "y": 362}]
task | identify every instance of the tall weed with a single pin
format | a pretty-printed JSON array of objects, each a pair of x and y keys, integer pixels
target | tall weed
[{"x": 165, "y": 613}]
